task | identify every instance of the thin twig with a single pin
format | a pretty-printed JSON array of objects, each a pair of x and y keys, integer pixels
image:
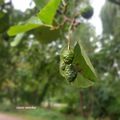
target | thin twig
[{"x": 69, "y": 33}]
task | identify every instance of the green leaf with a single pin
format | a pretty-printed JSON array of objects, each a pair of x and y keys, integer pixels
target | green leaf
[
  {"x": 1, "y": 2},
  {"x": 46, "y": 15},
  {"x": 83, "y": 63},
  {"x": 45, "y": 35},
  {"x": 81, "y": 82},
  {"x": 32, "y": 23},
  {"x": 45, "y": 18},
  {"x": 17, "y": 40}
]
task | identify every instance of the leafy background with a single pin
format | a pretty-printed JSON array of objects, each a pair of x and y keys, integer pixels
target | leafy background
[{"x": 29, "y": 63}]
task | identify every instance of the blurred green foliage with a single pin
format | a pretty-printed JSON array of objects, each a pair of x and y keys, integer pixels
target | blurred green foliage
[{"x": 29, "y": 72}]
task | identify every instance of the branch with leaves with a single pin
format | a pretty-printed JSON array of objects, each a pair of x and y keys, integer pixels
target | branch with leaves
[{"x": 71, "y": 55}]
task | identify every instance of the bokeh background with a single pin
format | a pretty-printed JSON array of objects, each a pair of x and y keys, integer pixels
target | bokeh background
[{"x": 29, "y": 72}]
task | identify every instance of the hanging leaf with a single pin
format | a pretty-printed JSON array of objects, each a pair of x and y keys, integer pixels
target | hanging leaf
[
  {"x": 83, "y": 63},
  {"x": 46, "y": 15}
]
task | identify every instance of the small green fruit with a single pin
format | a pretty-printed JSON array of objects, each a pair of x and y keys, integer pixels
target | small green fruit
[
  {"x": 62, "y": 65},
  {"x": 68, "y": 56},
  {"x": 87, "y": 12},
  {"x": 70, "y": 73}
]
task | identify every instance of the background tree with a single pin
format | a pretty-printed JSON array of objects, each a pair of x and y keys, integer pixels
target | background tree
[{"x": 29, "y": 62}]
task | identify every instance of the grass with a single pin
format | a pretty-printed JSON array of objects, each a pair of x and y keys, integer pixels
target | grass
[
  {"x": 38, "y": 114},
  {"x": 42, "y": 114}
]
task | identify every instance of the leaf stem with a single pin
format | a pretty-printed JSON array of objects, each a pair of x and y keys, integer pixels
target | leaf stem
[{"x": 69, "y": 34}]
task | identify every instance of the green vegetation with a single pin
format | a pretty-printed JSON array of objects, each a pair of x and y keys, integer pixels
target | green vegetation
[
  {"x": 44, "y": 114},
  {"x": 33, "y": 69}
]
